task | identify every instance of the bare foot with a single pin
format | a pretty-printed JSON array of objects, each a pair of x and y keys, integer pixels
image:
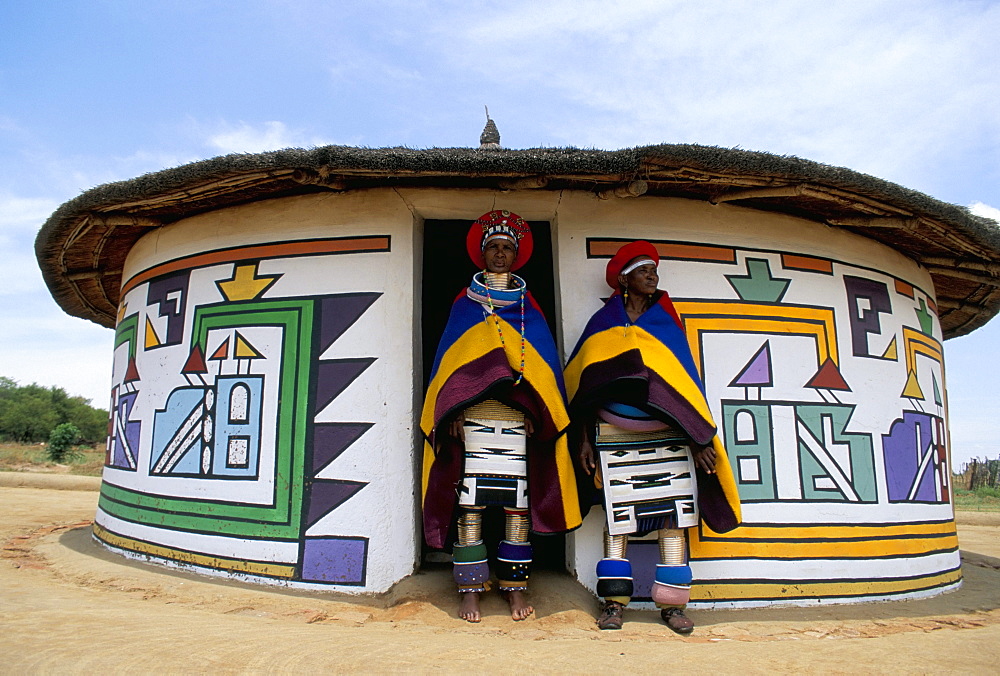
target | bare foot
[
  {"x": 468, "y": 607},
  {"x": 519, "y": 606}
]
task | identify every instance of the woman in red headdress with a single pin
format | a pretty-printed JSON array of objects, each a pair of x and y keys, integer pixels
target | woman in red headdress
[
  {"x": 494, "y": 422},
  {"x": 647, "y": 436}
]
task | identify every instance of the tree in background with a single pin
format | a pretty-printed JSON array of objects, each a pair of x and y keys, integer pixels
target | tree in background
[
  {"x": 63, "y": 442},
  {"x": 29, "y": 413}
]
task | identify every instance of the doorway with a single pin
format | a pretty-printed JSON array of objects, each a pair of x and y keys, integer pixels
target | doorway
[{"x": 447, "y": 270}]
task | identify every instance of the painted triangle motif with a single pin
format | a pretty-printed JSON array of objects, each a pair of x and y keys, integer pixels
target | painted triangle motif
[
  {"x": 152, "y": 340},
  {"x": 890, "y": 351},
  {"x": 325, "y": 495},
  {"x": 828, "y": 378},
  {"x": 333, "y": 377},
  {"x": 132, "y": 371},
  {"x": 938, "y": 400},
  {"x": 222, "y": 352},
  {"x": 912, "y": 389},
  {"x": 195, "y": 362},
  {"x": 338, "y": 313},
  {"x": 332, "y": 439},
  {"x": 244, "y": 350},
  {"x": 757, "y": 371}
]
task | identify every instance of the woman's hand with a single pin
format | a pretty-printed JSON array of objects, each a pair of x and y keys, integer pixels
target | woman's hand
[
  {"x": 456, "y": 428},
  {"x": 704, "y": 457},
  {"x": 585, "y": 455}
]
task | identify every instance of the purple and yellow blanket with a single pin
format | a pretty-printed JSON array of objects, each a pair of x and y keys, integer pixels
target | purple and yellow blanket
[
  {"x": 648, "y": 364},
  {"x": 472, "y": 365}
]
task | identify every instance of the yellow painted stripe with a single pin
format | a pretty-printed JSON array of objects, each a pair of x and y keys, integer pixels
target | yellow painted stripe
[
  {"x": 282, "y": 570},
  {"x": 751, "y": 317},
  {"x": 738, "y": 591},
  {"x": 819, "y": 542}
]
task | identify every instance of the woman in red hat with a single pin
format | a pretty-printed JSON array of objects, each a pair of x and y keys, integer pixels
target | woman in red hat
[
  {"x": 494, "y": 422},
  {"x": 647, "y": 437}
]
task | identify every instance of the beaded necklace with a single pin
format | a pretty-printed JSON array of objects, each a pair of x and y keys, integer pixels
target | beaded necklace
[{"x": 490, "y": 279}]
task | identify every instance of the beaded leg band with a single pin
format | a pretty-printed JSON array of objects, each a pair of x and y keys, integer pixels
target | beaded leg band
[
  {"x": 471, "y": 570},
  {"x": 515, "y": 553},
  {"x": 672, "y": 586},
  {"x": 614, "y": 571}
]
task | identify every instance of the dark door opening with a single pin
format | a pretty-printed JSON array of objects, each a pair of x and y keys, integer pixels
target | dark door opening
[{"x": 447, "y": 270}]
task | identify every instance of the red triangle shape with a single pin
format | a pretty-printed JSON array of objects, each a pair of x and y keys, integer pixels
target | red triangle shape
[
  {"x": 132, "y": 372},
  {"x": 195, "y": 362},
  {"x": 828, "y": 378}
]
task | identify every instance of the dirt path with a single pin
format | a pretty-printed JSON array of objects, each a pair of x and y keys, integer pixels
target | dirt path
[{"x": 70, "y": 607}]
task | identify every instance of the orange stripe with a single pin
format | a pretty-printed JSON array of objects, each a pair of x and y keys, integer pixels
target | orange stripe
[
  {"x": 794, "y": 262},
  {"x": 599, "y": 248},
  {"x": 378, "y": 243}
]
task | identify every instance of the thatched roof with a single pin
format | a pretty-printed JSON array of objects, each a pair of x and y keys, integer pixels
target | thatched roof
[{"x": 83, "y": 245}]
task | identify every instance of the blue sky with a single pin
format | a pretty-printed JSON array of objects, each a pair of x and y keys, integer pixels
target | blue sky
[{"x": 99, "y": 91}]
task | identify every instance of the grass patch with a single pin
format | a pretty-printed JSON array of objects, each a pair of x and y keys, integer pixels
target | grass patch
[
  {"x": 32, "y": 458},
  {"x": 983, "y": 499}
]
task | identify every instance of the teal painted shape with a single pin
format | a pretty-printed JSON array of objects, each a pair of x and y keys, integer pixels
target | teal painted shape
[
  {"x": 925, "y": 318},
  {"x": 937, "y": 391},
  {"x": 758, "y": 285},
  {"x": 861, "y": 455},
  {"x": 750, "y": 449}
]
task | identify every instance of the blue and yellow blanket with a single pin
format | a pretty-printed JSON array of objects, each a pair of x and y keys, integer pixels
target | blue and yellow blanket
[
  {"x": 648, "y": 364},
  {"x": 472, "y": 365}
]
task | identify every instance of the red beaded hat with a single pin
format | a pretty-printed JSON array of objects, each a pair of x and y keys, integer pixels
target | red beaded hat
[
  {"x": 499, "y": 223},
  {"x": 625, "y": 254}
]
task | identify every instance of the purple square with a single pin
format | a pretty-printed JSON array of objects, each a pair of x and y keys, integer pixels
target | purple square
[{"x": 337, "y": 560}]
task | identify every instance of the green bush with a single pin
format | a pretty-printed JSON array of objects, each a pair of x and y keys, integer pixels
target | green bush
[{"x": 63, "y": 442}]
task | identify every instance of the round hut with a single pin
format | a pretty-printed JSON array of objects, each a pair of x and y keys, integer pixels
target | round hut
[{"x": 275, "y": 315}]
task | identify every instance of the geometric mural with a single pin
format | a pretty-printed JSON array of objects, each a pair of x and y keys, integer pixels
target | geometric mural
[
  {"x": 828, "y": 386},
  {"x": 251, "y": 374}
]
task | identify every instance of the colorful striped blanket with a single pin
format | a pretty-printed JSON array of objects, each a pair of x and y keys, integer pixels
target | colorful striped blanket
[
  {"x": 472, "y": 364},
  {"x": 648, "y": 364}
]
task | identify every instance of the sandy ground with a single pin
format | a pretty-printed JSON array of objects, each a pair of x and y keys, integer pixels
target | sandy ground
[{"x": 70, "y": 607}]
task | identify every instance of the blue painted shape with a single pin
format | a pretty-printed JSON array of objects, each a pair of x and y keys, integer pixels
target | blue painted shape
[
  {"x": 183, "y": 450},
  {"x": 237, "y": 416},
  {"x": 336, "y": 560}
]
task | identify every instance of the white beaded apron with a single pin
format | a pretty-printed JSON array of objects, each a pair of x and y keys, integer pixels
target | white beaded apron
[
  {"x": 496, "y": 460},
  {"x": 648, "y": 479}
]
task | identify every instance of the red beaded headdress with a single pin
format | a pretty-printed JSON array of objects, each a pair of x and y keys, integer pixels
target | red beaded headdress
[{"x": 499, "y": 223}]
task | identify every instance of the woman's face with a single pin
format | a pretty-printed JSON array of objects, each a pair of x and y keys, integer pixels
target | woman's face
[
  {"x": 643, "y": 279},
  {"x": 499, "y": 255}
]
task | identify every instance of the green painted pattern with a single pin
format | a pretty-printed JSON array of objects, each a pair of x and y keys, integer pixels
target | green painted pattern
[
  {"x": 282, "y": 519},
  {"x": 862, "y": 455},
  {"x": 127, "y": 332}
]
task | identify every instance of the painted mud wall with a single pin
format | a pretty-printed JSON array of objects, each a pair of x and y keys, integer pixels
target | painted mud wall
[
  {"x": 822, "y": 358},
  {"x": 266, "y": 392},
  {"x": 262, "y": 394}
]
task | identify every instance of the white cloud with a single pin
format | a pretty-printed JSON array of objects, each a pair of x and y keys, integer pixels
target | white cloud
[
  {"x": 985, "y": 210},
  {"x": 884, "y": 87},
  {"x": 245, "y": 138}
]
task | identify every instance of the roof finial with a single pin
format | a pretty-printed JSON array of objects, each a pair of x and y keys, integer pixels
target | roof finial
[{"x": 490, "y": 138}]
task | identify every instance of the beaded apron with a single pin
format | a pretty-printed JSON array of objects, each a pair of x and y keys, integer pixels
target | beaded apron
[{"x": 648, "y": 479}]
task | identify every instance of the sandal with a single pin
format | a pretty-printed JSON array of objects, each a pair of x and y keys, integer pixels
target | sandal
[
  {"x": 677, "y": 620},
  {"x": 611, "y": 615}
]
